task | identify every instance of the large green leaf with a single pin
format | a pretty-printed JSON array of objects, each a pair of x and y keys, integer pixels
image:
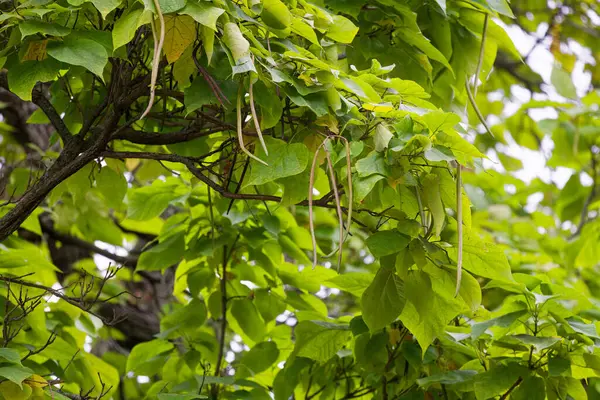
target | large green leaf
[
  {"x": 320, "y": 340},
  {"x": 284, "y": 160},
  {"x": 384, "y": 243},
  {"x": 203, "y": 13},
  {"x": 383, "y": 301},
  {"x": 275, "y": 14},
  {"x": 259, "y": 358},
  {"x": 75, "y": 50},
  {"x": 23, "y": 77},
  {"x": 483, "y": 259},
  {"x": 126, "y": 26},
  {"x": 145, "y": 358},
  {"x": 426, "y": 311}
]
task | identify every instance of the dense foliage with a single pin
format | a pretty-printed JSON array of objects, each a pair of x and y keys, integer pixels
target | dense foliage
[{"x": 298, "y": 199}]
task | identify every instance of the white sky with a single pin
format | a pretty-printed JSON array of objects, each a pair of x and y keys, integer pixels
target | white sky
[{"x": 541, "y": 61}]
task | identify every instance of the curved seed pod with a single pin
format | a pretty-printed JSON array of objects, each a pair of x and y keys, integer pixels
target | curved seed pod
[
  {"x": 156, "y": 59},
  {"x": 240, "y": 133}
]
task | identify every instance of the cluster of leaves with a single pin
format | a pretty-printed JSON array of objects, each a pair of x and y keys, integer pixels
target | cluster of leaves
[{"x": 212, "y": 195}]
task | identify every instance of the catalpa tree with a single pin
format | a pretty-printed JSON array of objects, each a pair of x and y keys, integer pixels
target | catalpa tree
[{"x": 284, "y": 199}]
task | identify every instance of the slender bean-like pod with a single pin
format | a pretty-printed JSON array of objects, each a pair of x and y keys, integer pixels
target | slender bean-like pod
[
  {"x": 240, "y": 133},
  {"x": 343, "y": 235},
  {"x": 459, "y": 228},
  {"x": 156, "y": 59},
  {"x": 337, "y": 204},
  {"x": 255, "y": 119}
]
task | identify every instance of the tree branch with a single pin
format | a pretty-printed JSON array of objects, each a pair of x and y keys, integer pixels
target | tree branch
[
  {"x": 190, "y": 161},
  {"x": 75, "y": 302},
  {"x": 72, "y": 240},
  {"x": 39, "y": 99},
  {"x": 158, "y": 138}
]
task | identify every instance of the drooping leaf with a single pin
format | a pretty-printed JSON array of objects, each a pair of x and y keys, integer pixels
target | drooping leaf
[
  {"x": 180, "y": 32},
  {"x": 383, "y": 301},
  {"x": 75, "y": 50},
  {"x": 283, "y": 160},
  {"x": 320, "y": 340},
  {"x": 203, "y": 13}
]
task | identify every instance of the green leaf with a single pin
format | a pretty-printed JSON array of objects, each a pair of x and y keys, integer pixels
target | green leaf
[
  {"x": 12, "y": 391},
  {"x": 532, "y": 388},
  {"x": 583, "y": 328},
  {"x": 303, "y": 29},
  {"x": 384, "y": 243},
  {"x": 126, "y": 26},
  {"x": 150, "y": 201},
  {"x": 539, "y": 342},
  {"x": 32, "y": 258},
  {"x": 351, "y": 282},
  {"x": 284, "y": 160},
  {"x": 275, "y": 14},
  {"x": 106, "y": 6},
  {"x": 342, "y": 30},
  {"x": 113, "y": 186},
  {"x": 320, "y": 340},
  {"x": 248, "y": 319},
  {"x": 32, "y": 26},
  {"x": 83, "y": 52},
  {"x": 184, "y": 320},
  {"x": 269, "y": 104},
  {"x": 383, "y": 301},
  {"x": 175, "y": 396},
  {"x": 499, "y": 6},
  {"x": 447, "y": 378},
  {"x": 503, "y": 321},
  {"x": 498, "y": 380},
  {"x": 483, "y": 259},
  {"x": 563, "y": 83},
  {"x": 166, "y": 6},
  {"x": 236, "y": 42},
  {"x": 260, "y": 357},
  {"x": 203, "y": 13},
  {"x": 144, "y": 356},
  {"x": 382, "y": 137},
  {"x": 198, "y": 94},
  {"x": 15, "y": 373},
  {"x": 23, "y": 77},
  {"x": 433, "y": 199},
  {"x": 427, "y": 311},
  {"x": 10, "y": 355},
  {"x": 166, "y": 253}
]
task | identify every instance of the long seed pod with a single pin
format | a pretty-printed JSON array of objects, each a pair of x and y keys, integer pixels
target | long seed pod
[
  {"x": 459, "y": 228},
  {"x": 240, "y": 133},
  {"x": 481, "y": 54},
  {"x": 156, "y": 59},
  {"x": 343, "y": 236},
  {"x": 479, "y": 114},
  {"x": 255, "y": 118},
  {"x": 337, "y": 205},
  {"x": 311, "y": 184}
]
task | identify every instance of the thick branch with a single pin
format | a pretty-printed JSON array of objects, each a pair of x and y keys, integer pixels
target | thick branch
[
  {"x": 75, "y": 155},
  {"x": 75, "y": 241},
  {"x": 190, "y": 162},
  {"x": 40, "y": 100},
  {"x": 157, "y": 138}
]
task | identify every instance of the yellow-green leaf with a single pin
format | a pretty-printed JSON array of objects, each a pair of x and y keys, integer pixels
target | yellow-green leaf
[{"x": 180, "y": 32}]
